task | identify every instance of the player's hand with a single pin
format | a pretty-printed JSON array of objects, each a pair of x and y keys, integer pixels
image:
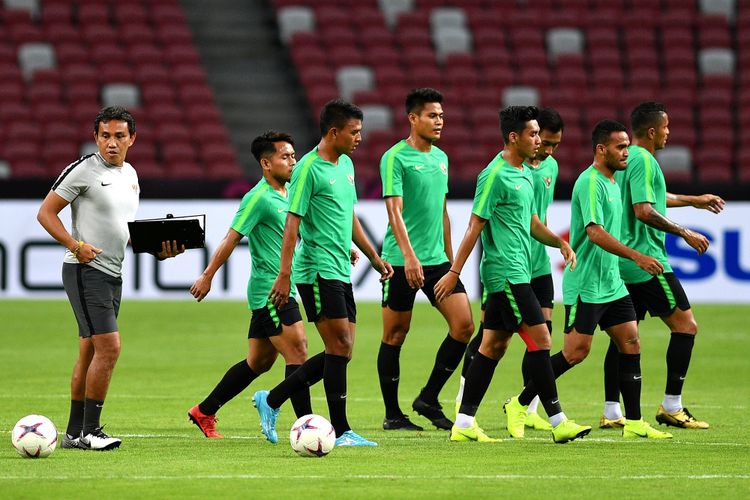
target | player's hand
[
  {"x": 414, "y": 272},
  {"x": 649, "y": 264},
  {"x": 170, "y": 249},
  {"x": 696, "y": 240},
  {"x": 709, "y": 202},
  {"x": 87, "y": 253},
  {"x": 201, "y": 287},
  {"x": 445, "y": 286},
  {"x": 384, "y": 268},
  {"x": 568, "y": 254},
  {"x": 279, "y": 294},
  {"x": 353, "y": 256}
]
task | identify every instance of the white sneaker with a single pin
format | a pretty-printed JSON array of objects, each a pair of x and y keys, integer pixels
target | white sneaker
[
  {"x": 99, "y": 441},
  {"x": 69, "y": 441}
]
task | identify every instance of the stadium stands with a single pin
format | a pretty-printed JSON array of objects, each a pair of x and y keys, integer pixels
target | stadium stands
[
  {"x": 62, "y": 60},
  {"x": 591, "y": 59}
]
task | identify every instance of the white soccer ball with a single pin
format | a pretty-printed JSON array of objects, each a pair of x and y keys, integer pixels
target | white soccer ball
[
  {"x": 34, "y": 436},
  {"x": 312, "y": 436}
]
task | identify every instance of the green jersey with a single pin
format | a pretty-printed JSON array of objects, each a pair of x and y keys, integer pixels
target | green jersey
[
  {"x": 261, "y": 218},
  {"x": 642, "y": 182},
  {"x": 421, "y": 179},
  {"x": 323, "y": 194},
  {"x": 545, "y": 177},
  {"x": 505, "y": 199},
  {"x": 596, "y": 278}
]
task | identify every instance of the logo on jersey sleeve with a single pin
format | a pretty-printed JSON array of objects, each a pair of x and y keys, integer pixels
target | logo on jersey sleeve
[
  {"x": 444, "y": 168},
  {"x": 548, "y": 181}
]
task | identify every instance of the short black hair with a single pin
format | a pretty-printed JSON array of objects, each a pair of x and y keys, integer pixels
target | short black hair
[
  {"x": 515, "y": 118},
  {"x": 114, "y": 113},
  {"x": 336, "y": 114},
  {"x": 417, "y": 98},
  {"x": 603, "y": 130},
  {"x": 550, "y": 119},
  {"x": 265, "y": 144},
  {"x": 645, "y": 116}
]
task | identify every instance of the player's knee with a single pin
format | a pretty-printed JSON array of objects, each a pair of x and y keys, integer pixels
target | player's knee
[
  {"x": 395, "y": 336},
  {"x": 496, "y": 347},
  {"x": 576, "y": 354},
  {"x": 341, "y": 346},
  {"x": 463, "y": 331}
]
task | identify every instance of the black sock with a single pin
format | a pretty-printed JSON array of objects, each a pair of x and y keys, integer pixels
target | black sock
[
  {"x": 477, "y": 382},
  {"x": 235, "y": 380},
  {"x": 75, "y": 421},
  {"x": 544, "y": 379},
  {"x": 306, "y": 375},
  {"x": 389, "y": 371},
  {"x": 525, "y": 363},
  {"x": 678, "y": 360},
  {"x": 559, "y": 366},
  {"x": 446, "y": 361},
  {"x": 300, "y": 399},
  {"x": 334, "y": 381},
  {"x": 630, "y": 384},
  {"x": 472, "y": 349},
  {"x": 92, "y": 410},
  {"x": 611, "y": 373}
]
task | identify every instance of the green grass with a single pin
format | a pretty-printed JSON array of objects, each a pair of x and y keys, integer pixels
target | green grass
[{"x": 174, "y": 353}]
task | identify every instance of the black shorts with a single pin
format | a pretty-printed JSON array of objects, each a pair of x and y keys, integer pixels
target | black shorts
[
  {"x": 660, "y": 296},
  {"x": 544, "y": 289},
  {"x": 516, "y": 304},
  {"x": 399, "y": 296},
  {"x": 266, "y": 321},
  {"x": 94, "y": 296},
  {"x": 584, "y": 316},
  {"x": 332, "y": 299}
]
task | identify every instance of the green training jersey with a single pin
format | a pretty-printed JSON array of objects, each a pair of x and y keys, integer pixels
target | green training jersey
[
  {"x": 323, "y": 194},
  {"x": 421, "y": 179},
  {"x": 505, "y": 199},
  {"x": 261, "y": 218},
  {"x": 642, "y": 182},
  {"x": 596, "y": 278},
  {"x": 545, "y": 177}
]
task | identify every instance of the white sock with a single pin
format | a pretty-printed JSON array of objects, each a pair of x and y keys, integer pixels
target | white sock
[
  {"x": 612, "y": 410},
  {"x": 533, "y": 405},
  {"x": 556, "y": 419},
  {"x": 464, "y": 421},
  {"x": 460, "y": 395},
  {"x": 672, "y": 403}
]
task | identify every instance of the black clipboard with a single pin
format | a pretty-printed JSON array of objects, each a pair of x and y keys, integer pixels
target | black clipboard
[{"x": 146, "y": 235}]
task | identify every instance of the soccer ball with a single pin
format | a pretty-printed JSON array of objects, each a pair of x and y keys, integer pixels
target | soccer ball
[
  {"x": 34, "y": 436},
  {"x": 312, "y": 436}
]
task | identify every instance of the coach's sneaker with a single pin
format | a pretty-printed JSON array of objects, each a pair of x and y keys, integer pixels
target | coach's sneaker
[
  {"x": 473, "y": 433},
  {"x": 400, "y": 423},
  {"x": 516, "y": 416},
  {"x": 206, "y": 423},
  {"x": 267, "y": 416},
  {"x": 72, "y": 442},
  {"x": 351, "y": 438},
  {"x": 432, "y": 412},
  {"x": 568, "y": 430},
  {"x": 534, "y": 421},
  {"x": 611, "y": 423},
  {"x": 681, "y": 418},
  {"x": 98, "y": 440},
  {"x": 642, "y": 429}
]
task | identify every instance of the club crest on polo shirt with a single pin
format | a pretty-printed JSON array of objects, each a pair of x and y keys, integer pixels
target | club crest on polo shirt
[
  {"x": 351, "y": 179},
  {"x": 443, "y": 168},
  {"x": 548, "y": 181}
]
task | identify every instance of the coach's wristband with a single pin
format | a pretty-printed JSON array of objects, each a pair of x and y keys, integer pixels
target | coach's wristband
[{"x": 452, "y": 271}]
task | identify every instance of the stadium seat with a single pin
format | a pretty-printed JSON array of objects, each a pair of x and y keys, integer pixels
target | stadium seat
[
  {"x": 350, "y": 79},
  {"x": 716, "y": 61},
  {"x": 393, "y": 8},
  {"x": 31, "y": 6},
  {"x": 294, "y": 19},
  {"x": 724, "y": 8},
  {"x": 564, "y": 41},
  {"x": 520, "y": 96},
  {"x": 450, "y": 41},
  {"x": 33, "y": 56},
  {"x": 121, "y": 94},
  {"x": 676, "y": 162}
]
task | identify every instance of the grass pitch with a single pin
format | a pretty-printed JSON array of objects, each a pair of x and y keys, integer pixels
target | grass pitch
[{"x": 174, "y": 353}]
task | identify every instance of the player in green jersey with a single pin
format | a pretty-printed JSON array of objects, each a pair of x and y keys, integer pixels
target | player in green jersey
[
  {"x": 505, "y": 216},
  {"x": 644, "y": 226},
  {"x": 544, "y": 170},
  {"x": 418, "y": 245},
  {"x": 321, "y": 210},
  {"x": 594, "y": 293},
  {"x": 273, "y": 330}
]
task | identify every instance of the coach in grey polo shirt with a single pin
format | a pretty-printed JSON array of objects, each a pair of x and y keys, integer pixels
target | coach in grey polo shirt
[{"x": 102, "y": 191}]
